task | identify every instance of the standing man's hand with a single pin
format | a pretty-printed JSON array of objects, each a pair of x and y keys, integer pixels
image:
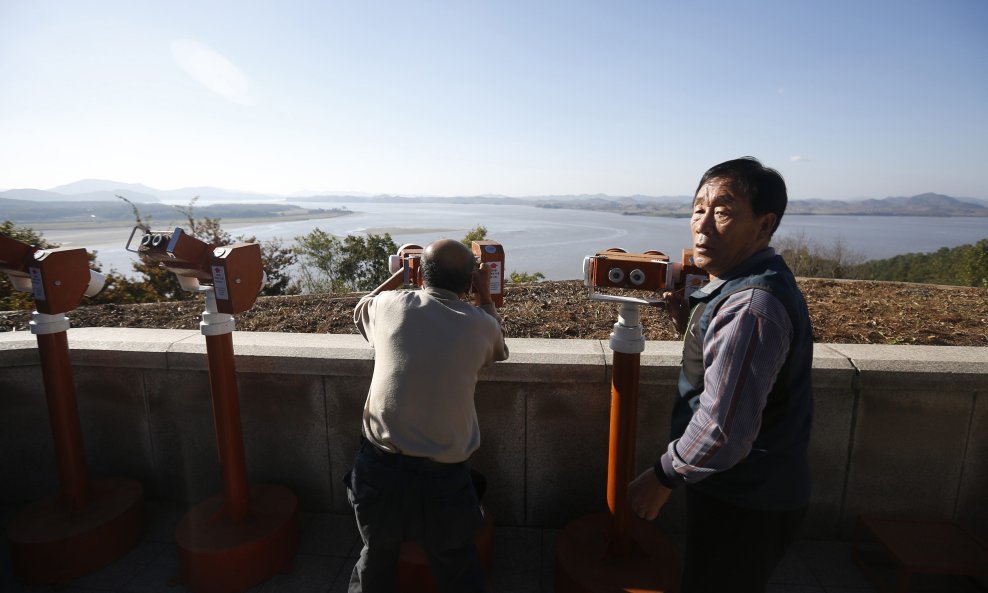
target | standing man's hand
[
  {"x": 647, "y": 495},
  {"x": 482, "y": 285},
  {"x": 678, "y": 310}
]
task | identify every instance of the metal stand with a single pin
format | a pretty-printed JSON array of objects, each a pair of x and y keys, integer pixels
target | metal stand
[
  {"x": 237, "y": 539},
  {"x": 90, "y": 523},
  {"x": 616, "y": 552}
]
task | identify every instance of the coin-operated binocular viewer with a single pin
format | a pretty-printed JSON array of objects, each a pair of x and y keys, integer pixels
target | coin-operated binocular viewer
[
  {"x": 89, "y": 523},
  {"x": 614, "y": 551},
  {"x": 246, "y": 534},
  {"x": 409, "y": 259},
  {"x": 232, "y": 274}
]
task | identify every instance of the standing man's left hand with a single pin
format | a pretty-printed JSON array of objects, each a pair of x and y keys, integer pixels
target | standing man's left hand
[{"x": 647, "y": 495}]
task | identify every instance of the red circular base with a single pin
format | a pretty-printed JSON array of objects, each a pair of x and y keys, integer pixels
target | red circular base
[
  {"x": 584, "y": 565},
  {"x": 414, "y": 574},
  {"x": 218, "y": 555},
  {"x": 52, "y": 544}
]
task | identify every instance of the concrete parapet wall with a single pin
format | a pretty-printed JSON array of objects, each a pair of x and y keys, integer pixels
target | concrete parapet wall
[{"x": 900, "y": 429}]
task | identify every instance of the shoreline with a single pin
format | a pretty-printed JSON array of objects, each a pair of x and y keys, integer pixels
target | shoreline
[
  {"x": 81, "y": 233},
  {"x": 225, "y": 222}
]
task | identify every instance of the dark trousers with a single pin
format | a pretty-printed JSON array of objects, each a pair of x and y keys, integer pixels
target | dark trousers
[
  {"x": 730, "y": 548},
  {"x": 397, "y": 498}
]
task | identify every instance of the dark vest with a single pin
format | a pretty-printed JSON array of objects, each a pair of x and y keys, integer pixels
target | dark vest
[{"x": 775, "y": 474}]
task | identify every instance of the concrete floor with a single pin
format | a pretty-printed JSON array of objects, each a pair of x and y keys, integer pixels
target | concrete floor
[{"x": 524, "y": 561}]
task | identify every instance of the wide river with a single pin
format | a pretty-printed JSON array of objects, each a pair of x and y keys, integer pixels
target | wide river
[{"x": 554, "y": 242}]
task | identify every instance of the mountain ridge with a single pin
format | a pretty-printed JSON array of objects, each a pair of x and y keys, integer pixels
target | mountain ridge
[{"x": 103, "y": 190}]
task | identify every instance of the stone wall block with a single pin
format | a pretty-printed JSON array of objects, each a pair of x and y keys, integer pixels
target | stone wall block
[
  {"x": 284, "y": 432},
  {"x": 566, "y": 443},
  {"x": 114, "y": 418},
  {"x": 908, "y": 453},
  {"x": 27, "y": 452},
  {"x": 345, "y": 397},
  {"x": 183, "y": 437},
  {"x": 502, "y": 456},
  {"x": 972, "y": 502}
]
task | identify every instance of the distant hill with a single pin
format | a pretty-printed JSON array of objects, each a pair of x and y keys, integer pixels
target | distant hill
[
  {"x": 107, "y": 190},
  {"x": 117, "y": 212},
  {"x": 93, "y": 186},
  {"x": 928, "y": 204},
  {"x": 37, "y": 195},
  {"x": 32, "y": 195},
  {"x": 102, "y": 190}
]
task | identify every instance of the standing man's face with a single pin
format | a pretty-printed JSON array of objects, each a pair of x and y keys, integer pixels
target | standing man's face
[{"x": 725, "y": 230}]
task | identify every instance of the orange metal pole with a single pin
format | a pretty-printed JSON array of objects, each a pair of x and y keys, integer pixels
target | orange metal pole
[
  {"x": 63, "y": 414},
  {"x": 621, "y": 449},
  {"x": 234, "y": 540},
  {"x": 611, "y": 552},
  {"x": 226, "y": 416}
]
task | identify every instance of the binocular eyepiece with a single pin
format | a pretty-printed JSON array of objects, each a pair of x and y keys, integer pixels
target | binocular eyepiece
[
  {"x": 636, "y": 277},
  {"x": 650, "y": 271},
  {"x": 154, "y": 240},
  {"x": 616, "y": 268}
]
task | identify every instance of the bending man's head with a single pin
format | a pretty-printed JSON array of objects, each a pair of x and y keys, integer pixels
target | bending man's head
[{"x": 448, "y": 264}]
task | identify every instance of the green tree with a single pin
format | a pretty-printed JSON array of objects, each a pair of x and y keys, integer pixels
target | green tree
[
  {"x": 317, "y": 252},
  {"x": 964, "y": 265},
  {"x": 975, "y": 264},
  {"x": 523, "y": 277},
  {"x": 364, "y": 261},
  {"x": 811, "y": 259},
  {"x": 356, "y": 263},
  {"x": 477, "y": 233},
  {"x": 278, "y": 261}
]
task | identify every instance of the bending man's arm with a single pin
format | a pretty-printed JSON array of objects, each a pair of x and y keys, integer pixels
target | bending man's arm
[
  {"x": 482, "y": 299},
  {"x": 361, "y": 313}
]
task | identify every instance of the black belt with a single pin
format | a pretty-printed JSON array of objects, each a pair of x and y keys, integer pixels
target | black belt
[{"x": 395, "y": 459}]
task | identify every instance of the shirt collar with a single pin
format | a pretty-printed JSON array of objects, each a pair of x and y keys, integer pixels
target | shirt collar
[
  {"x": 441, "y": 293},
  {"x": 738, "y": 270}
]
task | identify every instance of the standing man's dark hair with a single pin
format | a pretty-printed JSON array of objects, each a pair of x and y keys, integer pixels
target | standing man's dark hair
[
  {"x": 746, "y": 176},
  {"x": 739, "y": 440}
]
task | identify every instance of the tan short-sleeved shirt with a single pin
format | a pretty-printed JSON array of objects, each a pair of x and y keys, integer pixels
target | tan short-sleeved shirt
[{"x": 429, "y": 348}]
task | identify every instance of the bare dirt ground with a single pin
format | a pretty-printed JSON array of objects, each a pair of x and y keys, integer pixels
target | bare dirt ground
[{"x": 843, "y": 312}]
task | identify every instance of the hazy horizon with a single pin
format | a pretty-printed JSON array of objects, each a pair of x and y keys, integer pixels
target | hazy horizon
[{"x": 107, "y": 184}]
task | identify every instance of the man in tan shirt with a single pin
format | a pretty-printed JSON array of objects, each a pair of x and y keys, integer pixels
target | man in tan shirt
[{"x": 411, "y": 479}]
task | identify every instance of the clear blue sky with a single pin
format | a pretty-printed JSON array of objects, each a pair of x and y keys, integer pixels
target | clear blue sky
[{"x": 848, "y": 99}]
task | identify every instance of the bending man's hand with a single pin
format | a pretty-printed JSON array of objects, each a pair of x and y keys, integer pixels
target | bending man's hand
[
  {"x": 482, "y": 284},
  {"x": 647, "y": 495}
]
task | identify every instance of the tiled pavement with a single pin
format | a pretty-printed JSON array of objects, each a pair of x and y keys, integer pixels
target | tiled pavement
[{"x": 524, "y": 562}]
